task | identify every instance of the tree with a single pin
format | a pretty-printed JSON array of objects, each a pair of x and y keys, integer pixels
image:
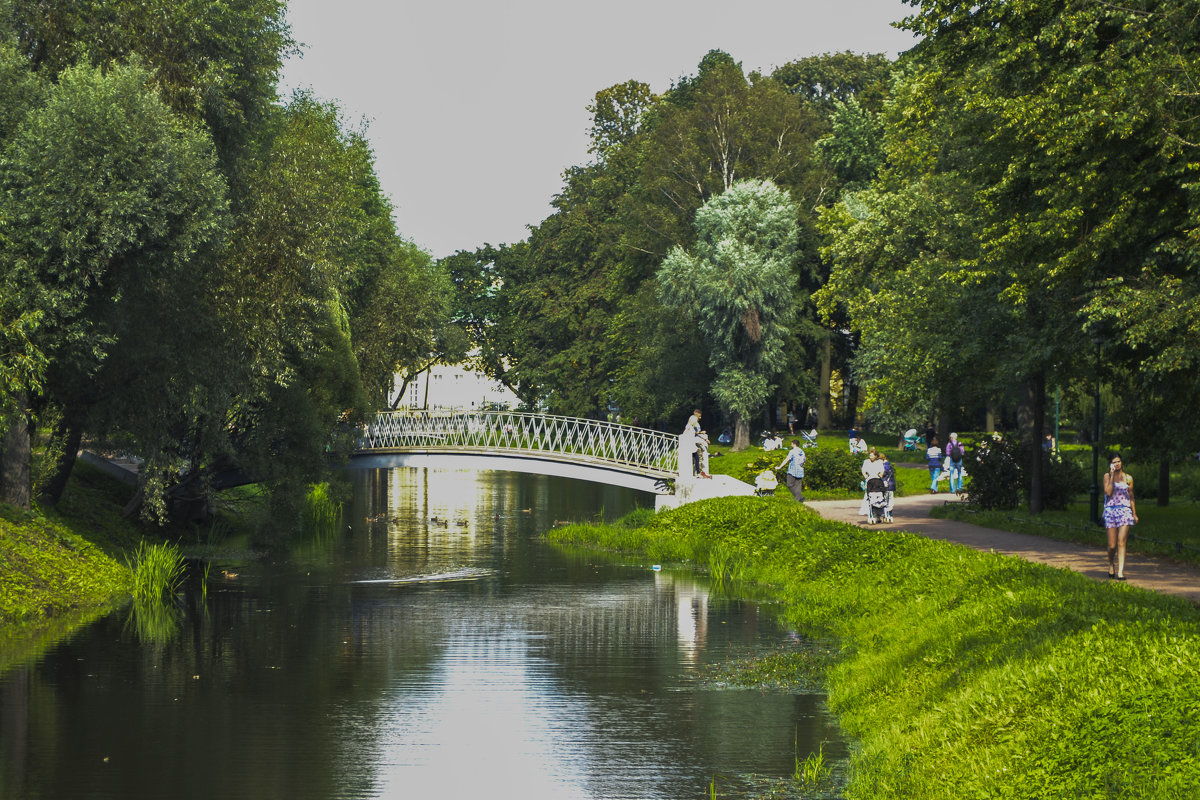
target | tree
[
  {"x": 833, "y": 78},
  {"x": 112, "y": 201},
  {"x": 22, "y": 362},
  {"x": 215, "y": 63},
  {"x": 738, "y": 287},
  {"x": 617, "y": 114},
  {"x": 397, "y": 298},
  {"x": 1056, "y": 141}
]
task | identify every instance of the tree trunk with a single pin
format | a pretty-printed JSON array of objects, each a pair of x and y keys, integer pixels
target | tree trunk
[
  {"x": 851, "y": 405},
  {"x": 1032, "y": 417},
  {"x": 69, "y": 435},
  {"x": 824, "y": 407},
  {"x": 14, "y": 458},
  {"x": 990, "y": 424},
  {"x": 1164, "y": 479},
  {"x": 741, "y": 433}
]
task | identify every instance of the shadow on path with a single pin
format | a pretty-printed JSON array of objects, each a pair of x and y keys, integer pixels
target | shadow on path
[{"x": 912, "y": 514}]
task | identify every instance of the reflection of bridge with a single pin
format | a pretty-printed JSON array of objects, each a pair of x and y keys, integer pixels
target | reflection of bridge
[{"x": 605, "y": 452}]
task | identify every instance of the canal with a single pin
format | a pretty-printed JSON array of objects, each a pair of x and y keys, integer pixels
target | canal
[{"x": 436, "y": 647}]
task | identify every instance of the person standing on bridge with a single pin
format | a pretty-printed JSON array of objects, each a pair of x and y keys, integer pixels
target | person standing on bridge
[
  {"x": 691, "y": 433},
  {"x": 795, "y": 470},
  {"x": 1119, "y": 513}
]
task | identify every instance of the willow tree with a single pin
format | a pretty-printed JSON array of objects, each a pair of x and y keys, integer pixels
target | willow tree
[{"x": 738, "y": 288}]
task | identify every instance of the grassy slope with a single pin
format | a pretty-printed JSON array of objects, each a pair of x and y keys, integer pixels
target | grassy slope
[
  {"x": 61, "y": 567},
  {"x": 963, "y": 674}
]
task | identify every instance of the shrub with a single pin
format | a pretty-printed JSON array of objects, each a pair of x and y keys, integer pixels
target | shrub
[
  {"x": 1000, "y": 480},
  {"x": 766, "y": 461},
  {"x": 824, "y": 468},
  {"x": 830, "y": 468}
]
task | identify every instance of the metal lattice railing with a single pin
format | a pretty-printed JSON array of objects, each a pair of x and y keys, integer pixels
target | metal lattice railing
[{"x": 637, "y": 449}]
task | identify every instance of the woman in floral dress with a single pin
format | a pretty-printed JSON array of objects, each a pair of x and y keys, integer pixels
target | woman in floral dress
[{"x": 1119, "y": 513}]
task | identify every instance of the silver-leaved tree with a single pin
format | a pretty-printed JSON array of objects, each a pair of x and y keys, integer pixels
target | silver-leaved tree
[{"x": 738, "y": 287}]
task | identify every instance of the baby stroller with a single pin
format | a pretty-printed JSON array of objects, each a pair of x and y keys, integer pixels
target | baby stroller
[
  {"x": 912, "y": 441},
  {"x": 809, "y": 437},
  {"x": 876, "y": 500},
  {"x": 765, "y": 483}
]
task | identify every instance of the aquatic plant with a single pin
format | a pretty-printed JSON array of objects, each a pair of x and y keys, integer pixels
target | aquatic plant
[
  {"x": 814, "y": 769},
  {"x": 322, "y": 515},
  {"x": 157, "y": 571}
]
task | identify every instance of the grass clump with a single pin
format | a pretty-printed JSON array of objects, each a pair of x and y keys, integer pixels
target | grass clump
[
  {"x": 157, "y": 572},
  {"x": 962, "y": 674}
]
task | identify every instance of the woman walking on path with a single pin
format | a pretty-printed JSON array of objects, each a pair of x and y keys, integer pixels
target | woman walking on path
[
  {"x": 795, "y": 470},
  {"x": 1119, "y": 513}
]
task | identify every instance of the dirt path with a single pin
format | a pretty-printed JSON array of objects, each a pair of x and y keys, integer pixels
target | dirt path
[{"x": 912, "y": 514}]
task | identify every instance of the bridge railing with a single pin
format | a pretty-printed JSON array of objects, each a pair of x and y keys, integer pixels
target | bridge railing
[{"x": 652, "y": 451}]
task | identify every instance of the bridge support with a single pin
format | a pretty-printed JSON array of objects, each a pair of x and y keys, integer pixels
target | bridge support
[{"x": 689, "y": 487}]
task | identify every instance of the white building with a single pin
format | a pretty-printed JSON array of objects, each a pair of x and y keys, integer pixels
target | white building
[{"x": 452, "y": 387}]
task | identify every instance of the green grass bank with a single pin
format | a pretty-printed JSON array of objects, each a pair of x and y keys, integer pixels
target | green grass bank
[
  {"x": 59, "y": 570},
  {"x": 959, "y": 674}
]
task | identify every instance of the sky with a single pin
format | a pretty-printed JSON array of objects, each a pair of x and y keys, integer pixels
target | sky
[{"x": 474, "y": 109}]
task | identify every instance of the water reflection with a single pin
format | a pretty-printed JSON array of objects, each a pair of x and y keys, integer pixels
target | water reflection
[{"x": 438, "y": 648}]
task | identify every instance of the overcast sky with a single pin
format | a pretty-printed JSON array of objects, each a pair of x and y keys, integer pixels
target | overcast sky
[{"x": 475, "y": 108}]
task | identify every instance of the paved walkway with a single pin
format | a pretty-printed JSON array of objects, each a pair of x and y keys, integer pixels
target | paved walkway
[{"x": 912, "y": 514}]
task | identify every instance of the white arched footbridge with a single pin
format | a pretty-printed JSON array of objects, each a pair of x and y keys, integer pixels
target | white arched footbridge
[
  {"x": 593, "y": 450},
  {"x": 516, "y": 441}
]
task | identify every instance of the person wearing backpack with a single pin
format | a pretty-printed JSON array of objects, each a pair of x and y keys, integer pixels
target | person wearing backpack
[
  {"x": 889, "y": 483},
  {"x": 956, "y": 453}
]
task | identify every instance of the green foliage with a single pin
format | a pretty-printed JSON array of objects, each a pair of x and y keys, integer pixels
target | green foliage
[
  {"x": 996, "y": 475},
  {"x": 1013, "y": 679},
  {"x": 833, "y": 468},
  {"x": 738, "y": 288},
  {"x": 751, "y": 469},
  {"x": 1039, "y": 194},
  {"x": 814, "y": 769},
  {"x": 825, "y": 469},
  {"x": 999, "y": 475},
  {"x": 1170, "y": 531},
  {"x": 215, "y": 63},
  {"x": 157, "y": 571},
  {"x": 52, "y": 566},
  {"x": 830, "y": 78},
  {"x": 854, "y": 147},
  {"x": 322, "y": 512},
  {"x": 192, "y": 271}
]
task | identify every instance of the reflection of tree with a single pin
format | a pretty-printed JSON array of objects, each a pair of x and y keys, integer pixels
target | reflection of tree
[{"x": 293, "y": 681}]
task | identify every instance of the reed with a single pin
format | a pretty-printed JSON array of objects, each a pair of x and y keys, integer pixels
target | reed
[
  {"x": 322, "y": 518},
  {"x": 157, "y": 571},
  {"x": 814, "y": 769}
]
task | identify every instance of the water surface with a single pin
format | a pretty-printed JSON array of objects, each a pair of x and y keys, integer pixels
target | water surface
[{"x": 436, "y": 648}]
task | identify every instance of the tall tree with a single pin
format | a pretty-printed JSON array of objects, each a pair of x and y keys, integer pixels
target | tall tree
[
  {"x": 738, "y": 288},
  {"x": 113, "y": 198},
  {"x": 1051, "y": 126}
]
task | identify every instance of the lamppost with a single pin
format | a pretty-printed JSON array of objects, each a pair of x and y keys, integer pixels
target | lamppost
[{"x": 1094, "y": 492}]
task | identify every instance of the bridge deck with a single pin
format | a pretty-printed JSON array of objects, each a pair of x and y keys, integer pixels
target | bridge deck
[{"x": 543, "y": 437}]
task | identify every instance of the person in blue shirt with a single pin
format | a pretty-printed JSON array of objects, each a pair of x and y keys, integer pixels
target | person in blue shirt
[{"x": 795, "y": 470}]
